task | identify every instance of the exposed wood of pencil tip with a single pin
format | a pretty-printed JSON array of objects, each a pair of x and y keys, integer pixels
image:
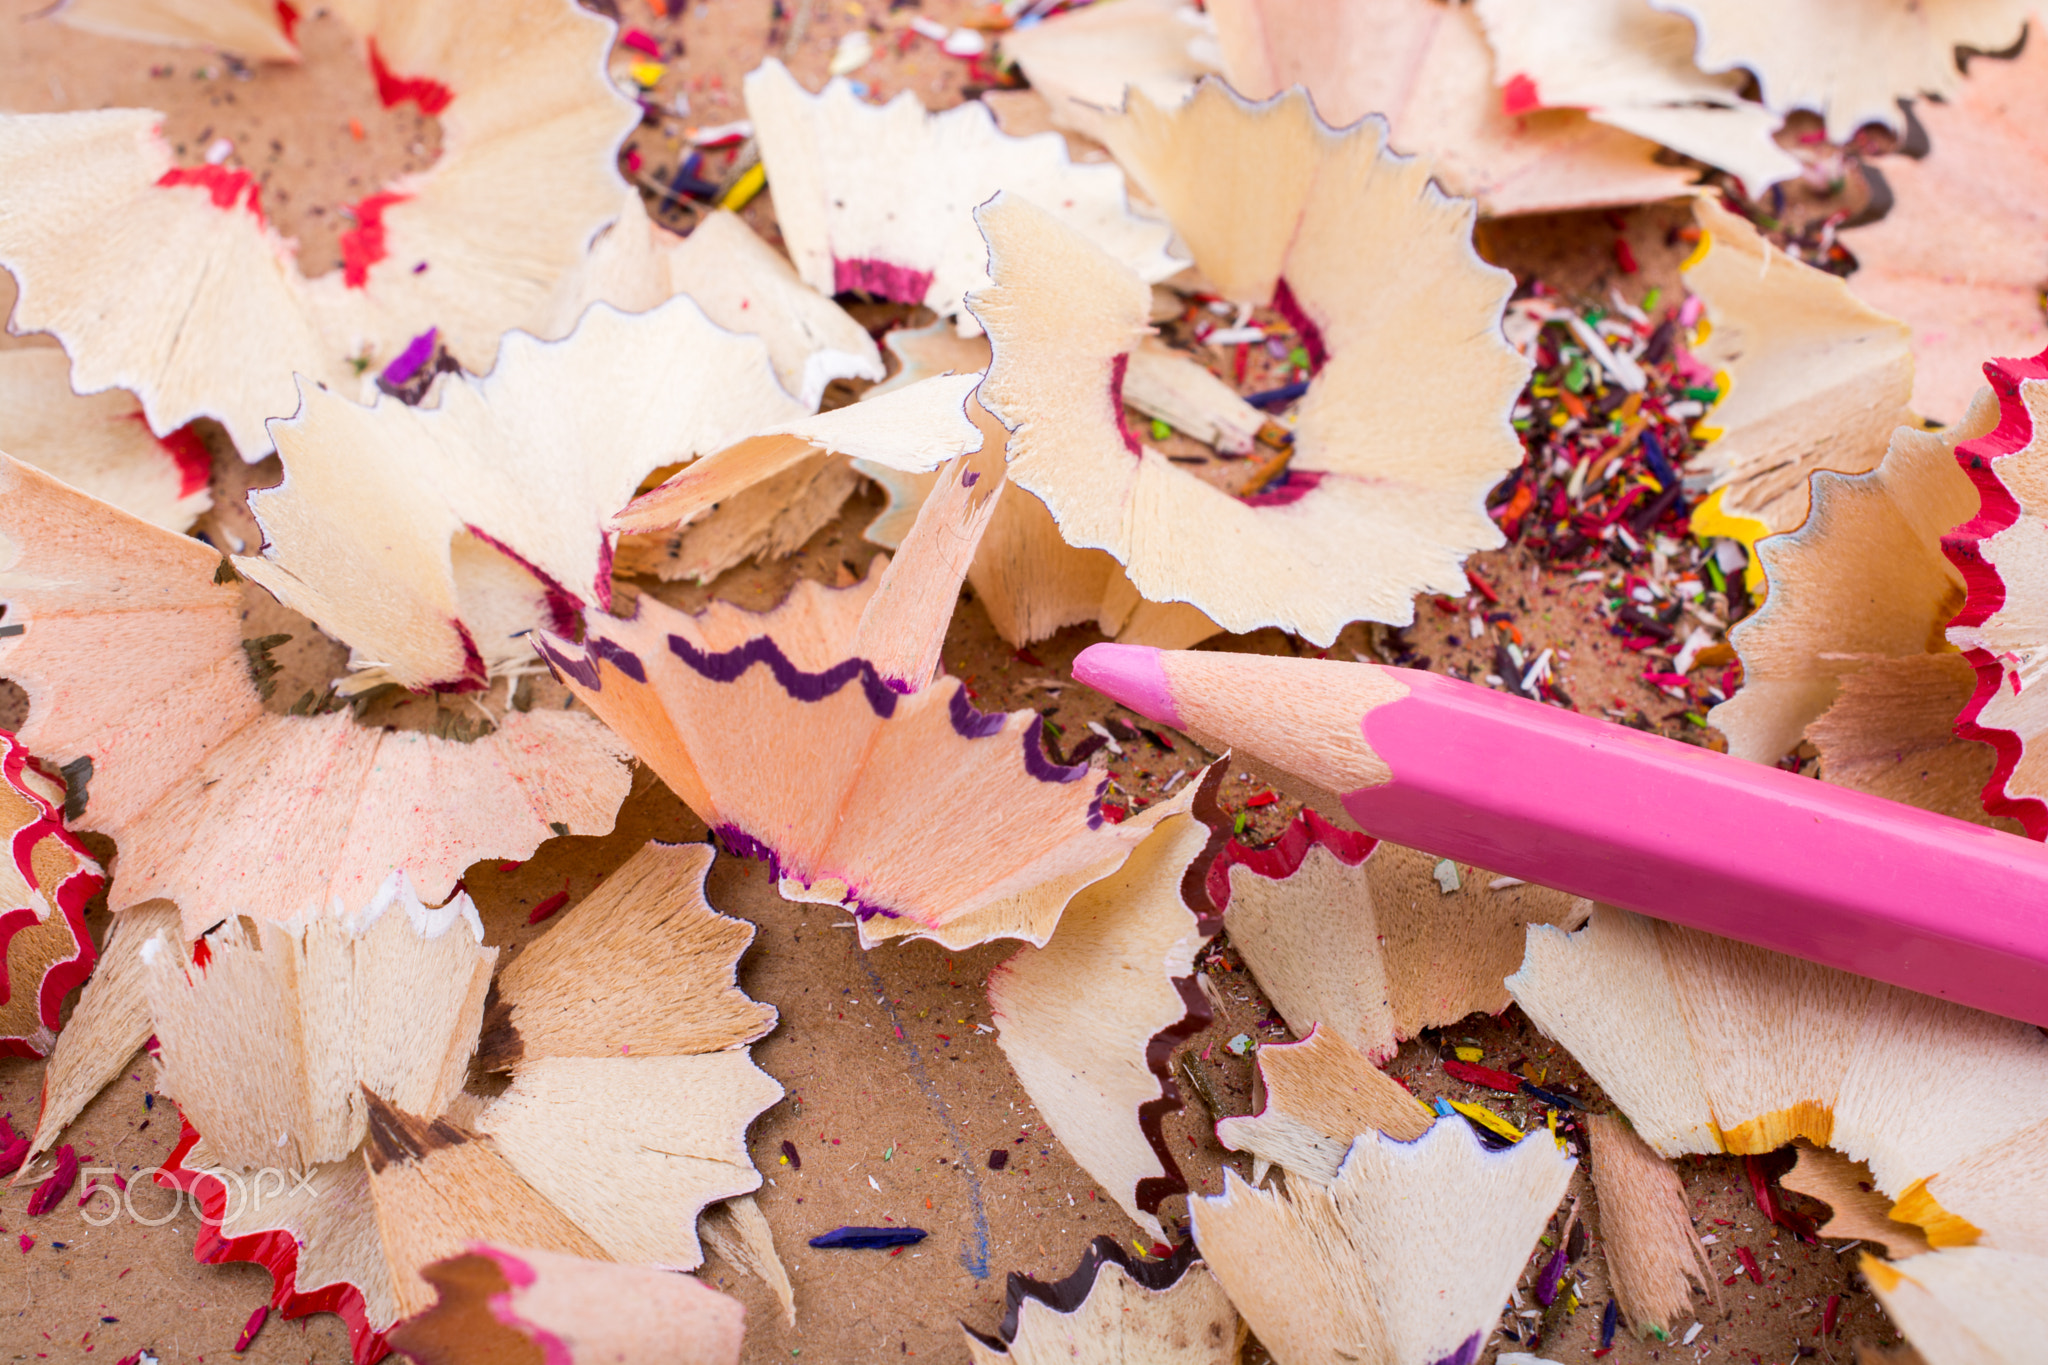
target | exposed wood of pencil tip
[{"x": 1301, "y": 715}]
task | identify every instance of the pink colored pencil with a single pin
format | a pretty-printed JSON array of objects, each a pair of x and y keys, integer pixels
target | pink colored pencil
[{"x": 1835, "y": 876}]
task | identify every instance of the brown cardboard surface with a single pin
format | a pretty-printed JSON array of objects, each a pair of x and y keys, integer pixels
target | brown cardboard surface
[{"x": 897, "y": 1094}]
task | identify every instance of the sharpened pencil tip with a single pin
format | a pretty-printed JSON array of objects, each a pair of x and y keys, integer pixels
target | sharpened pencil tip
[{"x": 1131, "y": 674}]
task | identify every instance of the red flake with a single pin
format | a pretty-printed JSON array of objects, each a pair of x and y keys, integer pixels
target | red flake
[
  {"x": 1025, "y": 656},
  {"x": 1624, "y": 257},
  {"x": 633, "y": 160},
  {"x": 362, "y": 246},
  {"x": 1237, "y": 365},
  {"x": 431, "y": 96},
  {"x": 27, "y": 1242},
  {"x": 52, "y": 1191},
  {"x": 1749, "y": 1265},
  {"x": 639, "y": 41},
  {"x": 1264, "y": 798},
  {"x": 288, "y": 21},
  {"x": 1827, "y": 1315},
  {"x": 1519, "y": 96},
  {"x": 194, "y": 460},
  {"x": 945, "y": 1037},
  {"x": 550, "y": 905},
  {"x": 1481, "y": 586},
  {"x": 202, "y": 955},
  {"x": 1483, "y": 1075},
  {"x": 1114, "y": 814},
  {"x": 251, "y": 1328},
  {"x": 224, "y": 184}
]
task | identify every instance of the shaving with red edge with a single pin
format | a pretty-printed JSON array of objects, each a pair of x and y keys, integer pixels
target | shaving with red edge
[
  {"x": 225, "y": 185},
  {"x": 277, "y": 1252},
  {"x": 431, "y": 96},
  {"x": 1997, "y": 628}
]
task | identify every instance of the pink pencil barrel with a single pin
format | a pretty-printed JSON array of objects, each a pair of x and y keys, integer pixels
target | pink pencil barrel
[{"x": 1835, "y": 876}]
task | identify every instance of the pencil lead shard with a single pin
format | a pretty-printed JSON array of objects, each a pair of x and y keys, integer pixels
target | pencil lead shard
[{"x": 868, "y": 1239}]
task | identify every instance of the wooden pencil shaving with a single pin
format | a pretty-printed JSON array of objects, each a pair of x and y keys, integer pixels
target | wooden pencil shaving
[
  {"x": 508, "y": 483},
  {"x": 271, "y": 1033},
  {"x": 1031, "y": 582},
  {"x": 1999, "y": 552},
  {"x": 879, "y": 199},
  {"x": 1816, "y": 378},
  {"x": 1847, "y": 650},
  {"x": 673, "y": 1132},
  {"x": 228, "y": 319},
  {"x": 1083, "y": 60},
  {"x": 1271, "y": 202},
  {"x": 1319, "y": 1096},
  {"x": 1654, "y": 1258},
  {"x": 642, "y": 964},
  {"x": 315, "y": 1232},
  {"x": 1115, "y": 1310},
  {"x": 437, "y": 1190},
  {"x": 131, "y": 654},
  {"x": 1156, "y": 323},
  {"x": 513, "y": 1304},
  {"x": 257, "y": 29},
  {"x": 1965, "y": 1307},
  {"x": 845, "y": 682},
  {"x": 1427, "y": 70},
  {"x": 736, "y": 1231},
  {"x": 1356, "y": 939},
  {"x": 742, "y": 284},
  {"x": 629, "y": 1007},
  {"x": 108, "y": 1025},
  {"x": 1959, "y": 255},
  {"x": 1850, "y": 62},
  {"x": 100, "y": 444},
  {"x": 625, "y": 1036},
  {"x": 46, "y": 878},
  {"x": 1709, "y": 1045},
  {"x": 1407, "y": 1256},
  {"x": 1857, "y": 1212},
  {"x": 1089, "y": 1021},
  {"x": 1629, "y": 66}
]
